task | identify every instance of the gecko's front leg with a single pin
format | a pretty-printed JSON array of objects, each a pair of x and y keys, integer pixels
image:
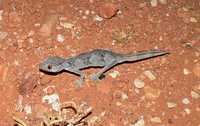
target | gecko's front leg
[{"x": 79, "y": 82}]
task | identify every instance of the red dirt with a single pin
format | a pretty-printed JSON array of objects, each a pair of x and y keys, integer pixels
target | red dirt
[{"x": 28, "y": 35}]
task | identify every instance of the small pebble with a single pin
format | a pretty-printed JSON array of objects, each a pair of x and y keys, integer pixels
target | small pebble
[
  {"x": 139, "y": 83},
  {"x": 66, "y": 25},
  {"x": 171, "y": 104},
  {"x": 60, "y": 38},
  {"x": 124, "y": 96},
  {"x": 84, "y": 17},
  {"x": 185, "y": 101},
  {"x": 194, "y": 95},
  {"x": 154, "y": 3},
  {"x": 193, "y": 20},
  {"x": 155, "y": 120},
  {"x": 87, "y": 12},
  {"x": 114, "y": 74},
  {"x": 139, "y": 122},
  {"x": 98, "y": 18},
  {"x": 186, "y": 71},
  {"x": 150, "y": 75},
  {"x": 187, "y": 110},
  {"x": 137, "y": 91},
  {"x": 1, "y": 15},
  {"x": 118, "y": 103},
  {"x": 27, "y": 109},
  {"x": 3, "y": 35},
  {"x": 108, "y": 10},
  {"x": 163, "y": 1}
]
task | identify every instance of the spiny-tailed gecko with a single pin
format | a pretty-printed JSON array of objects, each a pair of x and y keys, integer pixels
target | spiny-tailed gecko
[{"x": 95, "y": 58}]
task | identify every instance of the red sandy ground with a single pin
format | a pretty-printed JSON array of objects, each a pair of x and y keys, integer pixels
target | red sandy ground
[{"x": 32, "y": 27}]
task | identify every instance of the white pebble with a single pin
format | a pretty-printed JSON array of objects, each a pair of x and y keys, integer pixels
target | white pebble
[
  {"x": 60, "y": 38},
  {"x": 139, "y": 122},
  {"x": 193, "y": 20},
  {"x": 84, "y": 17},
  {"x": 52, "y": 99},
  {"x": 87, "y": 12},
  {"x": 114, "y": 74},
  {"x": 187, "y": 110},
  {"x": 27, "y": 109},
  {"x": 139, "y": 83},
  {"x": 98, "y": 18},
  {"x": 186, "y": 71},
  {"x": 149, "y": 74},
  {"x": 194, "y": 95},
  {"x": 124, "y": 96},
  {"x": 185, "y": 101},
  {"x": 171, "y": 104}
]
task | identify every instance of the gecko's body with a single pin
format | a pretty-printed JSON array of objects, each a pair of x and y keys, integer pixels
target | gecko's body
[{"x": 96, "y": 58}]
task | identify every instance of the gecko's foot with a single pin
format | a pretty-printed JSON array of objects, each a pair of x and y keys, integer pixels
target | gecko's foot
[
  {"x": 79, "y": 83},
  {"x": 94, "y": 77}
]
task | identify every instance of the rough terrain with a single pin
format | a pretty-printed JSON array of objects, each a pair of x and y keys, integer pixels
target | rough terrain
[{"x": 163, "y": 91}]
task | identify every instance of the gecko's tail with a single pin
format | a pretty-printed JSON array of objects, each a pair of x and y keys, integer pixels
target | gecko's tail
[{"x": 142, "y": 55}]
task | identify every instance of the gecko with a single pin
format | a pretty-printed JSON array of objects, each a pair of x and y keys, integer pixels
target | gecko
[{"x": 95, "y": 58}]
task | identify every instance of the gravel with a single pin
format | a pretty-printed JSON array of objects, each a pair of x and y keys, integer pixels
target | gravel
[
  {"x": 139, "y": 83},
  {"x": 185, "y": 101}
]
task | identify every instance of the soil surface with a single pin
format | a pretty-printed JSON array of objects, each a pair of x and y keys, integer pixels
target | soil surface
[{"x": 162, "y": 91}]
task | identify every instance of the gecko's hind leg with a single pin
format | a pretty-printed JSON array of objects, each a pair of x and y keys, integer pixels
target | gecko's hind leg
[{"x": 100, "y": 73}]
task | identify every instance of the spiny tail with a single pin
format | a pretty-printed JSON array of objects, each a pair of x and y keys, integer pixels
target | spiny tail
[{"x": 141, "y": 55}]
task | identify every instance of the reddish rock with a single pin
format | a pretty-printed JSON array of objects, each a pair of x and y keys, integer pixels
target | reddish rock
[
  {"x": 47, "y": 27},
  {"x": 108, "y": 10},
  {"x": 27, "y": 84}
]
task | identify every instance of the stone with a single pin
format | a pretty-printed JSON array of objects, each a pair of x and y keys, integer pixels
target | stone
[
  {"x": 185, "y": 101},
  {"x": 3, "y": 35},
  {"x": 139, "y": 122},
  {"x": 108, "y": 10},
  {"x": 171, "y": 104},
  {"x": 149, "y": 74},
  {"x": 47, "y": 28},
  {"x": 163, "y": 1},
  {"x": 154, "y": 3},
  {"x": 139, "y": 83},
  {"x": 151, "y": 93},
  {"x": 114, "y": 74},
  {"x": 60, "y": 38},
  {"x": 194, "y": 95}
]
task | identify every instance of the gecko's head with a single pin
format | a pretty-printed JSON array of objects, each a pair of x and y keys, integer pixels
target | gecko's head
[{"x": 52, "y": 64}]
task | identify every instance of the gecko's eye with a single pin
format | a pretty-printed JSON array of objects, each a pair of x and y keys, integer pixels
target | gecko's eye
[{"x": 49, "y": 66}]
